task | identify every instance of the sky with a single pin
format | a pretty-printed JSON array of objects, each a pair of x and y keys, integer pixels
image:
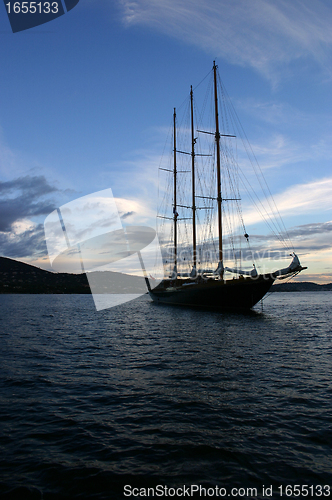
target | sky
[{"x": 87, "y": 100}]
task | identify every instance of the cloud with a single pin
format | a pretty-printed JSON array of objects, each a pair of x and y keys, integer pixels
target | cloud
[
  {"x": 311, "y": 229},
  {"x": 301, "y": 199},
  {"x": 21, "y": 199},
  {"x": 312, "y": 243},
  {"x": 128, "y": 214},
  {"x": 276, "y": 152},
  {"x": 25, "y": 200},
  {"x": 135, "y": 211},
  {"x": 282, "y": 152},
  {"x": 263, "y": 34},
  {"x": 23, "y": 243},
  {"x": 306, "y": 198}
]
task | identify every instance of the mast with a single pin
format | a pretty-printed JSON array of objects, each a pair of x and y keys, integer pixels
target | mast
[
  {"x": 219, "y": 198},
  {"x": 175, "y": 214},
  {"x": 193, "y": 140}
]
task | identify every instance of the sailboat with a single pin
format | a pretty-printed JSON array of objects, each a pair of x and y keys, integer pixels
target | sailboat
[{"x": 191, "y": 281}]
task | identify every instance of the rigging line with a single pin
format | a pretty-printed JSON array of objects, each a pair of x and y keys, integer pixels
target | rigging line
[
  {"x": 286, "y": 281},
  {"x": 233, "y": 211},
  {"x": 268, "y": 219},
  {"x": 276, "y": 233},
  {"x": 228, "y": 160},
  {"x": 200, "y": 176},
  {"x": 194, "y": 88},
  {"x": 273, "y": 222},
  {"x": 212, "y": 229},
  {"x": 208, "y": 94},
  {"x": 206, "y": 167},
  {"x": 273, "y": 207},
  {"x": 161, "y": 160},
  {"x": 236, "y": 193},
  {"x": 227, "y": 222},
  {"x": 184, "y": 102},
  {"x": 163, "y": 204},
  {"x": 246, "y": 144},
  {"x": 205, "y": 77},
  {"x": 258, "y": 166},
  {"x": 206, "y": 233}
]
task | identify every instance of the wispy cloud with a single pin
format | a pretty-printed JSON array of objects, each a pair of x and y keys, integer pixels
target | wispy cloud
[
  {"x": 300, "y": 199},
  {"x": 306, "y": 198},
  {"x": 317, "y": 228},
  {"x": 280, "y": 150},
  {"x": 276, "y": 151},
  {"x": 134, "y": 211},
  {"x": 261, "y": 33}
]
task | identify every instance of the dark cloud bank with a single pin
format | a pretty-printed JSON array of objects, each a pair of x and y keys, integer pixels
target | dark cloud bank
[{"x": 24, "y": 198}]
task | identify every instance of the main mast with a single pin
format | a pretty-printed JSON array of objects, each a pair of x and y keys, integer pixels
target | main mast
[
  {"x": 175, "y": 214},
  {"x": 220, "y": 269},
  {"x": 193, "y": 181}
]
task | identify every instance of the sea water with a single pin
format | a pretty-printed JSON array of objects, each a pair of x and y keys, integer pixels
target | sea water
[{"x": 145, "y": 400}]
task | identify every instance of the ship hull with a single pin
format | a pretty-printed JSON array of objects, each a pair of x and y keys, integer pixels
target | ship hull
[{"x": 237, "y": 294}]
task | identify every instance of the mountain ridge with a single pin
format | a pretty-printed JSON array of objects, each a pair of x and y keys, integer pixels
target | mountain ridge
[{"x": 19, "y": 277}]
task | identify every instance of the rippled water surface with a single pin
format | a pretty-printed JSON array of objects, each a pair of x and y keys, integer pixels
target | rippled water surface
[{"x": 148, "y": 395}]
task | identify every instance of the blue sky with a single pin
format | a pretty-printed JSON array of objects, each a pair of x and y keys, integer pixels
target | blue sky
[{"x": 87, "y": 99}]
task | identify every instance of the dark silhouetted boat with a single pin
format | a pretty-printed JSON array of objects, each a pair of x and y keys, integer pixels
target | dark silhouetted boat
[{"x": 197, "y": 274}]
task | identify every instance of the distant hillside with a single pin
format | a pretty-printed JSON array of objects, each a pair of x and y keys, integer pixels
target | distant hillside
[
  {"x": 18, "y": 277},
  {"x": 298, "y": 286}
]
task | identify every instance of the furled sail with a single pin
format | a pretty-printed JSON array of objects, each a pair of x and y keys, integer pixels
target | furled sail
[
  {"x": 253, "y": 273},
  {"x": 294, "y": 267}
]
